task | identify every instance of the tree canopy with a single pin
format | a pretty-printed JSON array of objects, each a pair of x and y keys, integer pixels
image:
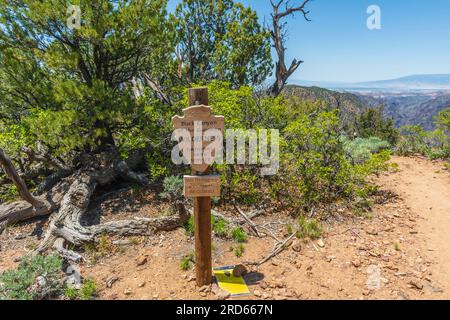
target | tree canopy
[{"x": 222, "y": 40}]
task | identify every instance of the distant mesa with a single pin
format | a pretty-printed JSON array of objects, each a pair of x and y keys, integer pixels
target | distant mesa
[{"x": 424, "y": 82}]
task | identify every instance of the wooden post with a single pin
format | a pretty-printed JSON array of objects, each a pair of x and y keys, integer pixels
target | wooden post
[{"x": 202, "y": 213}]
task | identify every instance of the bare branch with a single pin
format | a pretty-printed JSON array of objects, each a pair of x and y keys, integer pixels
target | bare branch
[
  {"x": 20, "y": 184},
  {"x": 279, "y": 38}
]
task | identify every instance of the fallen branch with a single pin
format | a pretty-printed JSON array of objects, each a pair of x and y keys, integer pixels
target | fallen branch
[
  {"x": 250, "y": 222},
  {"x": 20, "y": 184},
  {"x": 280, "y": 247}
]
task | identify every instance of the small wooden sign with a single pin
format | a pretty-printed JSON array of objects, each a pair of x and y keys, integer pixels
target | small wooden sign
[
  {"x": 202, "y": 186},
  {"x": 198, "y": 114}
]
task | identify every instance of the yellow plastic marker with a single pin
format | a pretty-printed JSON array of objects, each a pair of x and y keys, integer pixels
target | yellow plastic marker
[{"x": 236, "y": 286}]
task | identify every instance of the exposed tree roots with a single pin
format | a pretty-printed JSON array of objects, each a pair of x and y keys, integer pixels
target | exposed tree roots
[{"x": 68, "y": 201}]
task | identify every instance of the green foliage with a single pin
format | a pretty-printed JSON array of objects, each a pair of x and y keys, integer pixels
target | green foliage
[
  {"x": 173, "y": 188},
  {"x": 372, "y": 123},
  {"x": 361, "y": 149},
  {"x": 71, "y": 293},
  {"x": 238, "y": 235},
  {"x": 443, "y": 120},
  {"x": 70, "y": 89},
  {"x": 413, "y": 141},
  {"x": 19, "y": 284},
  {"x": 220, "y": 227},
  {"x": 239, "y": 250},
  {"x": 435, "y": 144},
  {"x": 234, "y": 46},
  {"x": 186, "y": 261},
  {"x": 309, "y": 228},
  {"x": 189, "y": 227},
  {"x": 8, "y": 193},
  {"x": 314, "y": 166},
  {"x": 88, "y": 290}
]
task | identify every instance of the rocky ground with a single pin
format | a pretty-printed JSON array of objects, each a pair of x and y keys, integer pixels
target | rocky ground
[{"x": 399, "y": 251}]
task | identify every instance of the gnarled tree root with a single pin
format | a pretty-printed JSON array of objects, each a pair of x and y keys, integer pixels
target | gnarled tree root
[{"x": 69, "y": 201}]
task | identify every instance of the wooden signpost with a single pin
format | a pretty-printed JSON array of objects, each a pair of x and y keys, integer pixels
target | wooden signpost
[{"x": 200, "y": 186}]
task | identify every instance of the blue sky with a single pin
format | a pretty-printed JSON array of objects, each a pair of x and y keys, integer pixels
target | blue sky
[{"x": 338, "y": 46}]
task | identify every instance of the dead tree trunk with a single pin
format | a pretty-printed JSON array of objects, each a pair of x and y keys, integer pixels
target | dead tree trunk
[
  {"x": 282, "y": 73},
  {"x": 69, "y": 201},
  {"x": 29, "y": 208}
]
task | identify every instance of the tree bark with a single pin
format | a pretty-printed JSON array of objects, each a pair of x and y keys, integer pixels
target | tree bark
[
  {"x": 71, "y": 199},
  {"x": 20, "y": 184},
  {"x": 282, "y": 73}
]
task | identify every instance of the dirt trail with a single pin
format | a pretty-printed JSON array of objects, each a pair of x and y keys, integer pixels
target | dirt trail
[
  {"x": 400, "y": 250},
  {"x": 425, "y": 188}
]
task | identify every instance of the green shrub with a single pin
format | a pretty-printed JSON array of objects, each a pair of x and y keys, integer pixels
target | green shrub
[
  {"x": 173, "y": 188},
  {"x": 413, "y": 141},
  {"x": 189, "y": 227},
  {"x": 220, "y": 227},
  {"x": 239, "y": 250},
  {"x": 238, "y": 235},
  {"x": 435, "y": 144},
  {"x": 88, "y": 290},
  {"x": 373, "y": 123},
  {"x": 20, "y": 284},
  {"x": 313, "y": 164},
  {"x": 71, "y": 293},
  {"x": 361, "y": 149},
  {"x": 186, "y": 261},
  {"x": 309, "y": 228}
]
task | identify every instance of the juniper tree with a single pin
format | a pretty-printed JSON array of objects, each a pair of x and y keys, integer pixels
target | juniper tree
[
  {"x": 67, "y": 95},
  {"x": 221, "y": 40}
]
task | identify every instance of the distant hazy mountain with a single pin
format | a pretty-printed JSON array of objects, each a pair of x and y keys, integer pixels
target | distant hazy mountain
[
  {"x": 410, "y": 109},
  {"x": 409, "y": 83},
  {"x": 405, "y": 108}
]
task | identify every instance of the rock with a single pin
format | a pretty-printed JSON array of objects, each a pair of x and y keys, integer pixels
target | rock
[
  {"x": 265, "y": 296},
  {"x": 141, "y": 285},
  {"x": 74, "y": 281},
  {"x": 296, "y": 246},
  {"x": 127, "y": 291},
  {"x": 70, "y": 270},
  {"x": 415, "y": 283},
  {"x": 203, "y": 294},
  {"x": 330, "y": 258},
  {"x": 191, "y": 278},
  {"x": 356, "y": 263},
  {"x": 321, "y": 243},
  {"x": 372, "y": 232},
  {"x": 257, "y": 293},
  {"x": 205, "y": 288},
  {"x": 432, "y": 288},
  {"x": 20, "y": 236},
  {"x": 156, "y": 296},
  {"x": 279, "y": 284},
  {"x": 263, "y": 285},
  {"x": 41, "y": 281},
  {"x": 222, "y": 295},
  {"x": 110, "y": 281},
  {"x": 122, "y": 242},
  {"x": 239, "y": 270},
  {"x": 140, "y": 261}
]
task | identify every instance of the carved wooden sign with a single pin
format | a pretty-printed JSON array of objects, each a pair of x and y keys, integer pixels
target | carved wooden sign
[
  {"x": 201, "y": 186},
  {"x": 198, "y": 121}
]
